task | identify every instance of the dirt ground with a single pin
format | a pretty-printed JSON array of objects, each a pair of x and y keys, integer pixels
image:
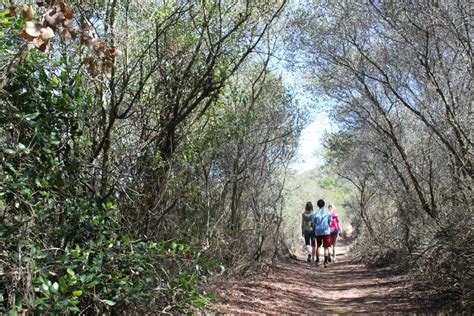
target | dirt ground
[{"x": 298, "y": 287}]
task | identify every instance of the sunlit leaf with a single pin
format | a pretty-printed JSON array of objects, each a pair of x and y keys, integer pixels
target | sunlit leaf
[
  {"x": 109, "y": 302},
  {"x": 46, "y": 33},
  {"x": 32, "y": 116},
  {"x": 32, "y": 29},
  {"x": 8, "y": 151},
  {"x": 77, "y": 293}
]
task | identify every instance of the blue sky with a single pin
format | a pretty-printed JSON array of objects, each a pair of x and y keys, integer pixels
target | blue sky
[{"x": 309, "y": 154}]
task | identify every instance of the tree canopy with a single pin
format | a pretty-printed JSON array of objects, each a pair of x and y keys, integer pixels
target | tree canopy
[
  {"x": 146, "y": 145},
  {"x": 400, "y": 78}
]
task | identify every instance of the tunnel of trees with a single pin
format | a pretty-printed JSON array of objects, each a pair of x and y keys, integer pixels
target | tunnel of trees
[{"x": 145, "y": 145}]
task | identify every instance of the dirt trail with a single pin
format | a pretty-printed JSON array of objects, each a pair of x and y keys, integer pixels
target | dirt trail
[{"x": 297, "y": 287}]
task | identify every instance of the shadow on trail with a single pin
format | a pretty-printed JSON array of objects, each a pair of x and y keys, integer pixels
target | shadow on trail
[{"x": 297, "y": 287}]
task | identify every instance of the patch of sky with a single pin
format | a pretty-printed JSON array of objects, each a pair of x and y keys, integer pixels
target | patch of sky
[{"x": 310, "y": 150}]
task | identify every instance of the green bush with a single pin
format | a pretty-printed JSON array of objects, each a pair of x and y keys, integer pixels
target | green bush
[{"x": 63, "y": 250}]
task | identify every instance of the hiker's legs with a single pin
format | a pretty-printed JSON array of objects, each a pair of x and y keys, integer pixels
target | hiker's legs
[
  {"x": 309, "y": 243},
  {"x": 333, "y": 242},
  {"x": 313, "y": 246},
  {"x": 307, "y": 240},
  {"x": 319, "y": 242},
  {"x": 326, "y": 239}
]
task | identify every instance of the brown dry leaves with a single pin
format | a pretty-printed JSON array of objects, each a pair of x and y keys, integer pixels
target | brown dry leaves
[
  {"x": 38, "y": 34},
  {"x": 58, "y": 18}
]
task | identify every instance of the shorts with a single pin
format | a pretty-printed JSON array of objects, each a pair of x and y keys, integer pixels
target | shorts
[
  {"x": 325, "y": 240},
  {"x": 309, "y": 238},
  {"x": 335, "y": 233}
]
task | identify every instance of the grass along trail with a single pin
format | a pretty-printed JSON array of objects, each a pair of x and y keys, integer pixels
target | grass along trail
[{"x": 296, "y": 287}]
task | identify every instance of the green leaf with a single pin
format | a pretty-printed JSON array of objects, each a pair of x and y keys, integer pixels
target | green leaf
[
  {"x": 62, "y": 285},
  {"x": 38, "y": 183},
  {"x": 64, "y": 75},
  {"x": 12, "y": 312},
  {"x": 10, "y": 167},
  {"x": 201, "y": 302},
  {"x": 70, "y": 271},
  {"x": 77, "y": 293},
  {"x": 8, "y": 151},
  {"x": 4, "y": 13},
  {"x": 32, "y": 116},
  {"x": 109, "y": 302},
  {"x": 76, "y": 252}
]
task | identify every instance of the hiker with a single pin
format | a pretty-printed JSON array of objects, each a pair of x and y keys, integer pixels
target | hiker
[
  {"x": 307, "y": 230},
  {"x": 335, "y": 228},
  {"x": 321, "y": 221}
]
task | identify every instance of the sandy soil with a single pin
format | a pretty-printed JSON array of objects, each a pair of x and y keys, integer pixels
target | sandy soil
[{"x": 297, "y": 287}]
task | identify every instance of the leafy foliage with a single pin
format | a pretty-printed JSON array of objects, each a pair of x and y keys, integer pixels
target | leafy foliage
[{"x": 103, "y": 156}]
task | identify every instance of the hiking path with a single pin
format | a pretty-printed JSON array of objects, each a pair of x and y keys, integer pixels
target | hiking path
[{"x": 298, "y": 287}]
